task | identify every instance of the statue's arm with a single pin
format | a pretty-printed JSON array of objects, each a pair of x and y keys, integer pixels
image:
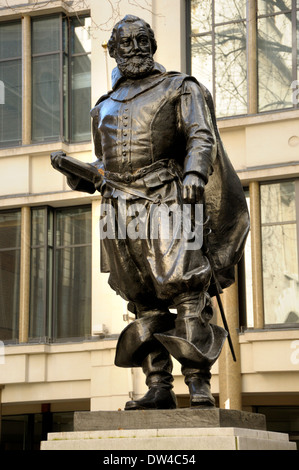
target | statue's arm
[{"x": 201, "y": 147}]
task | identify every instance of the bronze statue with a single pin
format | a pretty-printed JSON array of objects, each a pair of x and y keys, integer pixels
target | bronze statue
[{"x": 158, "y": 147}]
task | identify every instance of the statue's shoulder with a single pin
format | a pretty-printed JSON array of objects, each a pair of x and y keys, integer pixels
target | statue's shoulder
[
  {"x": 95, "y": 110},
  {"x": 180, "y": 78}
]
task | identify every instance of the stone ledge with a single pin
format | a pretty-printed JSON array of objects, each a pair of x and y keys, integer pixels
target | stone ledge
[
  {"x": 164, "y": 419},
  {"x": 228, "y": 438}
]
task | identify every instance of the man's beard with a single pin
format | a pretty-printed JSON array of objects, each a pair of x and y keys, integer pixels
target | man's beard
[{"x": 135, "y": 66}]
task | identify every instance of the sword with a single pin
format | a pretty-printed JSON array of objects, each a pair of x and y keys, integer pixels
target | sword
[
  {"x": 218, "y": 292},
  {"x": 220, "y": 305}
]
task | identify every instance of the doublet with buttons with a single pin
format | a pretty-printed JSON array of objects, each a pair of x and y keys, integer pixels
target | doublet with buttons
[{"x": 143, "y": 121}]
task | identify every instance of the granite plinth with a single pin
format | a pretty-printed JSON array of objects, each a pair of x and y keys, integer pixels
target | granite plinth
[{"x": 165, "y": 419}]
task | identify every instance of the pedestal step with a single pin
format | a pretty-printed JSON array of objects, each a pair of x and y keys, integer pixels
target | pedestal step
[{"x": 172, "y": 439}]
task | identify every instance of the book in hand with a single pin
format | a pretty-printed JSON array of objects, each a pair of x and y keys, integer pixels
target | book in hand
[{"x": 73, "y": 167}]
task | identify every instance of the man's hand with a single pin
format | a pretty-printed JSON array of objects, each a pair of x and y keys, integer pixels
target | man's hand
[{"x": 193, "y": 189}]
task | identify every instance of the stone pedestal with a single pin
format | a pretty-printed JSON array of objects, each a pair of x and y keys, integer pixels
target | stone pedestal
[{"x": 175, "y": 430}]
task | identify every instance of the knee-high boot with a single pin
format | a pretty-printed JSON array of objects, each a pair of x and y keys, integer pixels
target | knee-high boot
[
  {"x": 157, "y": 367},
  {"x": 137, "y": 347},
  {"x": 196, "y": 344}
]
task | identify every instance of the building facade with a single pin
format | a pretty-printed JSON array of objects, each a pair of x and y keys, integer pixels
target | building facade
[{"x": 59, "y": 320}]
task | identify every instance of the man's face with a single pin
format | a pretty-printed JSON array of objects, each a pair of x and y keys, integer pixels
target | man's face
[{"x": 133, "y": 52}]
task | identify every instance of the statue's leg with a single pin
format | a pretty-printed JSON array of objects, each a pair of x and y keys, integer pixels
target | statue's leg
[
  {"x": 192, "y": 324},
  {"x": 198, "y": 382},
  {"x": 157, "y": 367}
]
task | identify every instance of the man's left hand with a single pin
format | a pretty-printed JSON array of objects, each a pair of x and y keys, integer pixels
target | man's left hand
[{"x": 193, "y": 189}]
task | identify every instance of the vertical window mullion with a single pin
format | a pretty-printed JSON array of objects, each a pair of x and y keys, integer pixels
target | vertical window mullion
[
  {"x": 61, "y": 80},
  {"x": 251, "y": 34},
  {"x": 213, "y": 53},
  {"x": 294, "y": 40},
  {"x": 189, "y": 37},
  {"x": 69, "y": 82},
  {"x": 53, "y": 320},
  {"x": 46, "y": 294}
]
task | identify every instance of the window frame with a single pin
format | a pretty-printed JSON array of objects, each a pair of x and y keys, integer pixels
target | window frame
[
  {"x": 15, "y": 322},
  {"x": 252, "y": 108},
  {"x": 50, "y": 278},
  {"x": 65, "y": 54},
  {"x": 17, "y": 142},
  {"x": 212, "y": 33},
  {"x": 296, "y": 183},
  {"x": 294, "y": 12}
]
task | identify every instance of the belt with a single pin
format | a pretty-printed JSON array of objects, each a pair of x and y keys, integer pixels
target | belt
[{"x": 130, "y": 177}]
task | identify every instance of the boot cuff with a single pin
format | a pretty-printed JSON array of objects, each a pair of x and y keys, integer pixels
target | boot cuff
[
  {"x": 137, "y": 340},
  {"x": 188, "y": 354}
]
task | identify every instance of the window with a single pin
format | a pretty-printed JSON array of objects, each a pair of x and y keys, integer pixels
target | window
[
  {"x": 10, "y": 243},
  {"x": 61, "y": 96},
  {"x": 279, "y": 202},
  {"x": 218, "y": 52},
  {"x": 245, "y": 278},
  {"x": 277, "y": 59},
  {"x": 60, "y": 292},
  {"x": 11, "y": 84},
  {"x": 60, "y": 80},
  {"x": 221, "y": 56}
]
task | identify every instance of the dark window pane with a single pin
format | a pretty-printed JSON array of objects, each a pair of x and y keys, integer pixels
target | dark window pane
[
  {"x": 10, "y": 84},
  {"x": 73, "y": 272},
  {"x": 46, "y": 35},
  {"x": 37, "y": 293},
  {"x": 10, "y": 237},
  {"x": 81, "y": 98},
  {"x": 275, "y": 62},
  {"x": 63, "y": 308},
  {"x": 66, "y": 99},
  {"x": 73, "y": 292},
  {"x": 10, "y": 40},
  {"x": 45, "y": 98},
  {"x": 38, "y": 227},
  {"x": 10, "y": 229},
  {"x": 9, "y": 294},
  {"x": 11, "y": 107},
  {"x": 38, "y": 274},
  {"x": 73, "y": 227},
  {"x": 231, "y": 69}
]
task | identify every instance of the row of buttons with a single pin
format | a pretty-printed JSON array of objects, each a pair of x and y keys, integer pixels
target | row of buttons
[{"x": 125, "y": 134}]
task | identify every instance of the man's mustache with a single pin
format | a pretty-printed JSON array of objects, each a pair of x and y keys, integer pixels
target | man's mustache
[{"x": 129, "y": 55}]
